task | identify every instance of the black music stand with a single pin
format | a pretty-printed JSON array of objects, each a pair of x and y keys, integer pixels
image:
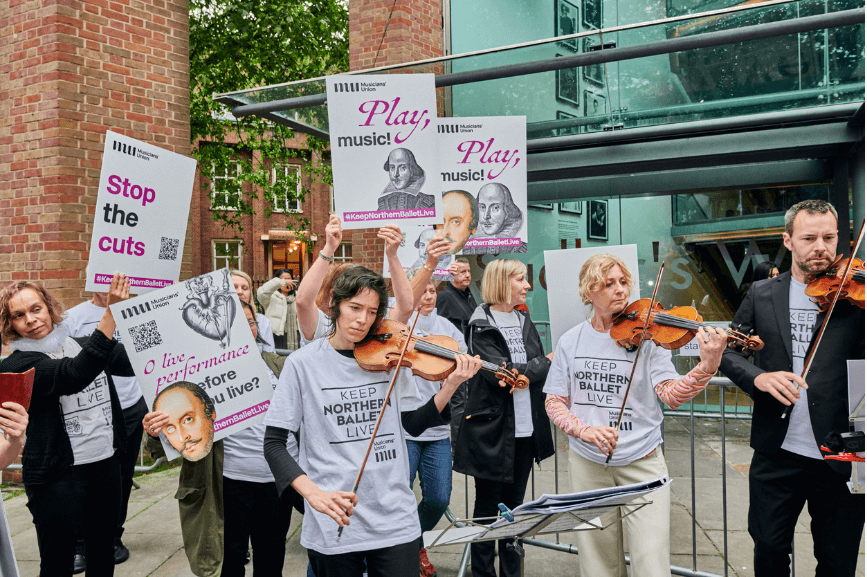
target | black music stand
[{"x": 546, "y": 515}]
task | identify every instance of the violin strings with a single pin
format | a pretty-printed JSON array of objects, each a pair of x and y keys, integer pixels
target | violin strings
[
  {"x": 680, "y": 322},
  {"x": 447, "y": 353}
]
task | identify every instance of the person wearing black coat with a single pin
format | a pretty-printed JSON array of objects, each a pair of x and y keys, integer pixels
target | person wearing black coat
[
  {"x": 502, "y": 433},
  {"x": 787, "y": 469},
  {"x": 70, "y": 469}
]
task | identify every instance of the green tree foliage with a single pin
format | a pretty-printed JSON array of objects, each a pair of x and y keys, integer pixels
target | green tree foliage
[{"x": 239, "y": 44}]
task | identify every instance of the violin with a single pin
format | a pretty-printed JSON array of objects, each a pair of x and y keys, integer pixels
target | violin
[
  {"x": 431, "y": 358},
  {"x": 669, "y": 329},
  {"x": 822, "y": 287}
]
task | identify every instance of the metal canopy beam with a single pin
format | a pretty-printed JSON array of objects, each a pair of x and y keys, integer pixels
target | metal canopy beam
[
  {"x": 713, "y": 149},
  {"x": 672, "y": 181},
  {"x": 719, "y": 38},
  {"x": 836, "y": 112}
]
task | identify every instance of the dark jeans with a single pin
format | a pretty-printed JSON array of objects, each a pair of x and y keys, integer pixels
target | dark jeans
[
  {"x": 433, "y": 462},
  {"x": 488, "y": 495},
  {"x": 779, "y": 487},
  {"x": 84, "y": 494},
  {"x": 255, "y": 513},
  {"x": 394, "y": 561},
  {"x": 132, "y": 417}
]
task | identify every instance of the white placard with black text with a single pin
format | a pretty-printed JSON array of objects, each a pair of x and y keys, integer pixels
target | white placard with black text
[
  {"x": 384, "y": 149},
  {"x": 140, "y": 222},
  {"x": 485, "y": 159},
  {"x": 562, "y": 268},
  {"x": 196, "y": 331}
]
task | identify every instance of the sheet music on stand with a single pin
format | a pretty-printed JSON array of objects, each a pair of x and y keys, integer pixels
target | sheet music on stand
[{"x": 547, "y": 514}]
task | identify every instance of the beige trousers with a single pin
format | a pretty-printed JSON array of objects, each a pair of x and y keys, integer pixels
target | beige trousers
[{"x": 600, "y": 553}]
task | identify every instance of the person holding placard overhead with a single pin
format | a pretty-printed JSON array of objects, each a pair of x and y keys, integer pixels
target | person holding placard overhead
[
  {"x": 586, "y": 386},
  {"x": 80, "y": 321},
  {"x": 314, "y": 293},
  {"x": 502, "y": 432},
  {"x": 70, "y": 467}
]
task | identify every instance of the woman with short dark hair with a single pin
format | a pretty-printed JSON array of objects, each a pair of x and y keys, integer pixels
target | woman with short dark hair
[{"x": 333, "y": 403}]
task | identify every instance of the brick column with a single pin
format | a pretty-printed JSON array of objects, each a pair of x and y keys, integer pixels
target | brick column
[
  {"x": 69, "y": 71},
  {"x": 414, "y": 32}
]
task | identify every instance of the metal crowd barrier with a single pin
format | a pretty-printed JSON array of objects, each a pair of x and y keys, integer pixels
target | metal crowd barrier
[{"x": 725, "y": 411}]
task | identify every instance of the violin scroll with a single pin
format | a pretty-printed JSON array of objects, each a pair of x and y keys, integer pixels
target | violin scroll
[
  {"x": 513, "y": 379},
  {"x": 748, "y": 342}
]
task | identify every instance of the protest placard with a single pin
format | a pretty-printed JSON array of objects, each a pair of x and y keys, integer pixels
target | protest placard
[
  {"x": 562, "y": 271},
  {"x": 384, "y": 149},
  {"x": 197, "y": 332},
  {"x": 413, "y": 252},
  {"x": 141, "y": 215},
  {"x": 483, "y": 166}
]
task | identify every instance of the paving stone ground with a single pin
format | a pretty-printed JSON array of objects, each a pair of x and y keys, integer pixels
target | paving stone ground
[{"x": 700, "y": 533}]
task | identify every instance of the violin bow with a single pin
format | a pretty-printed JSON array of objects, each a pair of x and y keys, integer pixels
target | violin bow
[
  {"x": 812, "y": 354},
  {"x": 382, "y": 409},
  {"x": 638, "y": 354}
]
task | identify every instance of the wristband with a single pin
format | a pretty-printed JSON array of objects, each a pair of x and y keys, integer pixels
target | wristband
[
  {"x": 328, "y": 258},
  {"x": 427, "y": 268}
]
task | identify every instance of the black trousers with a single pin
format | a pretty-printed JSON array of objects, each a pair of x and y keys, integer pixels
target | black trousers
[
  {"x": 394, "y": 561},
  {"x": 84, "y": 494},
  {"x": 132, "y": 417},
  {"x": 488, "y": 495},
  {"x": 779, "y": 487},
  {"x": 254, "y": 512}
]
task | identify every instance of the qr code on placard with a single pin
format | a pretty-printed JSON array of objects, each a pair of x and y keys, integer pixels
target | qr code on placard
[
  {"x": 169, "y": 249},
  {"x": 145, "y": 336}
]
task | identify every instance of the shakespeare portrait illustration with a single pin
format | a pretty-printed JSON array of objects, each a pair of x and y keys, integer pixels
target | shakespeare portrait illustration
[{"x": 405, "y": 181}]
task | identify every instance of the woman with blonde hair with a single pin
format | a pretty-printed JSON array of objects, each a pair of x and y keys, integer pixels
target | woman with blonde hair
[
  {"x": 244, "y": 287},
  {"x": 585, "y": 387},
  {"x": 502, "y": 433}
]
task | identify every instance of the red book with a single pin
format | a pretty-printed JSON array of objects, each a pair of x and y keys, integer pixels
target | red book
[{"x": 17, "y": 387}]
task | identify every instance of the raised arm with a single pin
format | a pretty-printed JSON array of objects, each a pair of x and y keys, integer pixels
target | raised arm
[
  {"x": 437, "y": 247},
  {"x": 118, "y": 291},
  {"x": 399, "y": 283},
  {"x": 305, "y": 300}
]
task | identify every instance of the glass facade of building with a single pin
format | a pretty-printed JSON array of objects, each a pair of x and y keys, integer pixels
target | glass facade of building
[{"x": 710, "y": 207}]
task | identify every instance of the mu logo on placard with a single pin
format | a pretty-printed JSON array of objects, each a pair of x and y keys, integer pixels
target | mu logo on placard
[{"x": 124, "y": 148}]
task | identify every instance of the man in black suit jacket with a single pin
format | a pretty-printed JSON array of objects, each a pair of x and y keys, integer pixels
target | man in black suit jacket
[{"x": 787, "y": 468}]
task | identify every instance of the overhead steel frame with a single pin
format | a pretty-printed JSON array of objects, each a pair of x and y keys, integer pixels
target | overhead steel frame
[{"x": 818, "y": 143}]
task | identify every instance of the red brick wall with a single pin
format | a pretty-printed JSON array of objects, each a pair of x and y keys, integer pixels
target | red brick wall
[
  {"x": 254, "y": 258},
  {"x": 69, "y": 71},
  {"x": 414, "y": 33}
]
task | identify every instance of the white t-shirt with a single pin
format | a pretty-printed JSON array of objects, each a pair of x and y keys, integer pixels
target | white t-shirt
[
  {"x": 265, "y": 333},
  {"x": 87, "y": 415},
  {"x": 802, "y": 315},
  {"x": 81, "y": 321},
  {"x": 244, "y": 452},
  {"x": 592, "y": 371},
  {"x": 323, "y": 327},
  {"x": 510, "y": 327},
  {"x": 418, "y": 391},
  {"x": 334, "y": 404}
]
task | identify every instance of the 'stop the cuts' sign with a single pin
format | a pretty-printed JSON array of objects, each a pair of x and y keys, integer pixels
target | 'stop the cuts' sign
[
  {"x": 141, "y": 215},
  {"x": 384, "y": 149}
]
